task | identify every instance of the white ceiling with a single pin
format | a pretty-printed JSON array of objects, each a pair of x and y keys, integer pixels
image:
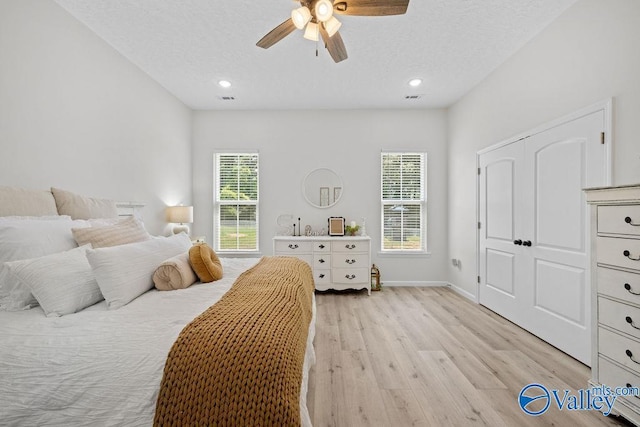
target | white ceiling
[{"x": 189, "y": 45}]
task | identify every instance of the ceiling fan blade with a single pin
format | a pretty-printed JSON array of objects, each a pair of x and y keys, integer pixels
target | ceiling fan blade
[
  {"x": 334, "y": 45},
  {"x": 277, "y": 34},
  {"x": 370, "y": 7}
]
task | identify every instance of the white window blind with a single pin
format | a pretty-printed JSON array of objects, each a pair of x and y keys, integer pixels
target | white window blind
[
  {"x": 236, "y": 201},
  {"x": 403, "y": 201}
]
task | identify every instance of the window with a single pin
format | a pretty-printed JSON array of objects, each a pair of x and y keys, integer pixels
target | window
[
  {"x": 403, "y": 201},
  {"x": 236, "y": 202}
]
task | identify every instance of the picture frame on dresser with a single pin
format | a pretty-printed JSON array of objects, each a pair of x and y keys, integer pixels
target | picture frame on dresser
[{"x": 336, "y": 226}]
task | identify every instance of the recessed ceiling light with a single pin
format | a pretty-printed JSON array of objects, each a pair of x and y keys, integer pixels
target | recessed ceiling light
[
  {"x": 415, "y": 82},
  {"x": 224, "y": 83}
]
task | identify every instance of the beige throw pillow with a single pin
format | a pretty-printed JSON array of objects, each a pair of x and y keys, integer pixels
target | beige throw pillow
[
  {"x": 80, "y": 207},
  {"x": 18, "y": 201},
  {"x": 129, "y": 230},
  {"x": 174, "y": 273}
]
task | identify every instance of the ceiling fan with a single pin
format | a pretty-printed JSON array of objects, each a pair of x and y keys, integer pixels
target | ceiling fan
[{"x": 317, "y": 17}]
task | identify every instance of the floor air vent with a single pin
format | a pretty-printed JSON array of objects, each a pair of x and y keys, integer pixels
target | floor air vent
[{"x": 227, "y": 98}]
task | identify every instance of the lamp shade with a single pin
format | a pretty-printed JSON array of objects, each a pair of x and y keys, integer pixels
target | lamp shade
[
  {"x": 180, "y": 214},
  {"x": 332, "y": 26},
  {"x": 323, "y": 10},
  {"x": 300, "y": 17},
  {"x": 311, "y": 32}
]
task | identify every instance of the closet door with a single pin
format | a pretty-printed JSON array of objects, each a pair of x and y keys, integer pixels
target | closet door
[
  {"x": 534, "y": 261},
  {"x": 501, "y": 208},
  {"x": 559, "y": 163}
]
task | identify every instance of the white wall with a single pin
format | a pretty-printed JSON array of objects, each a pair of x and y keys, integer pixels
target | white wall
[
  {"x": 588, "y": 54},
  {"x": 292, "y": 143},
  {"x": 77, "y": 115}
]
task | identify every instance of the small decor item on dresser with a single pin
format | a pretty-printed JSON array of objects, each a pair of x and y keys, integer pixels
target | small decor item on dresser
[
  {"x": 336, "y": 226},
  {"x": 376, "y": 285},
  {"x": 352, "y": 228}
]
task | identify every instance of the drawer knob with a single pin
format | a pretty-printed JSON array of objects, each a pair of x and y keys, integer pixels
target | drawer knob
[
  {"x": 628, "y": 255},
  {"x": 629, "y": 221},
  {"x": 630, "y": 356},
  {"x": 628, "y": 288},
  {"x": 321, "y": 246},
  {"x": 321, "y": 276},
  {"x": 517, "y": 242},
  {"x": 350, "y": 261},
  {"x": 321, "y": 261},
  {"x": 630, "y": 321},
  {"x": 631, "y": 387},
  {"x": 526, "y": 243},
  {"x": 350, "y": 246},
  {"x": 292, "y": 246},
  {"x": 350, "y": 276}
]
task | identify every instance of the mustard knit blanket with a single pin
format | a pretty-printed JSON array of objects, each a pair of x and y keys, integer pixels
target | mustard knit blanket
[{"x": 240, "y": 362}]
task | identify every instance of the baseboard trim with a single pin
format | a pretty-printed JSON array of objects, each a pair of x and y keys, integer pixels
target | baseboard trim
[
  {"x": 468, "y": 295},
  {"x": 422, "y": 284}
]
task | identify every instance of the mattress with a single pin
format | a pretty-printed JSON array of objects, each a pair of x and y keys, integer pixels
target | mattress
[{"x": 103, "y": 367}]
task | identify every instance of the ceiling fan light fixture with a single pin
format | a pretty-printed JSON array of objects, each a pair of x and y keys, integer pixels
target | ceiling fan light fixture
[
  {"x": 415, "y": 82},
  {"x": 300, "y": 17},
  {"x": 311, "y": 32},
  {"x": 224, "y": 83},
  {"x": 332, "y": 26},
  {"x": 324, "y": 10}
]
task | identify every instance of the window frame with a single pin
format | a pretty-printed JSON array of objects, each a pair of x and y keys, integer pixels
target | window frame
[
  {"x": 421, "y": 202},
  {"x": 218, "y": 203}
]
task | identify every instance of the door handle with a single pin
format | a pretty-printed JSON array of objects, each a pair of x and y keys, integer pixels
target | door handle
[
  {"x": 517, "y": 242},
  {"x": 526, "y": 243}
]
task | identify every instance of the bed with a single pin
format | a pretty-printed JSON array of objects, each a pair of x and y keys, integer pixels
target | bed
[{"x": 105, "y": 366}]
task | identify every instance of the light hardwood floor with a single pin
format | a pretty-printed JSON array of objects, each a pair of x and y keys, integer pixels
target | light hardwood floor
[{"x": 418, "y": 356}]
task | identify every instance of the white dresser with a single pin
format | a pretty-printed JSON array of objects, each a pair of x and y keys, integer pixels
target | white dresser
[
  {"x": 615, "y": 276},
  {"x": 337, "y": 262}
]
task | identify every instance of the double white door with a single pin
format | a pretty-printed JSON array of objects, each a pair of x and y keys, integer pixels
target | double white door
[{"x": 534, "y": 264}]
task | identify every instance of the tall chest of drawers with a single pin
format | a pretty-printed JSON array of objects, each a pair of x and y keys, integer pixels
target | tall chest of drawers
[
  {"x": 615, "y": 276},
  {"x": 337, "y": 262}
]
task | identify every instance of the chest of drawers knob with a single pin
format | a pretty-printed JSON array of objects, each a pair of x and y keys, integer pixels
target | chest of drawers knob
[
  {"x": 293, "y": 246},
  {"x": 350, "y": 276},
  {"x": 628, "y": 255},
  {"x": 350, "y": 246},
  {"x": 629, "y": 221},
  {"x": 628, "y": 288},
  {"x": 350, "y": 261},
  {"x": 630, "y": 356},
  {"x": 629, "y": 320}
]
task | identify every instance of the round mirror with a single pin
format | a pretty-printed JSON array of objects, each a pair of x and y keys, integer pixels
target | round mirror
[{"x": 322, "y": 188}]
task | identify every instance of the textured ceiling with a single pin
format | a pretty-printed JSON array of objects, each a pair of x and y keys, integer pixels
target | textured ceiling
[{"x": 189, "y": 45}]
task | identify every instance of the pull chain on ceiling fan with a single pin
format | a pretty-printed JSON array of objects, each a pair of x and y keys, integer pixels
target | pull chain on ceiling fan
[{"x": 318, "y": 20}]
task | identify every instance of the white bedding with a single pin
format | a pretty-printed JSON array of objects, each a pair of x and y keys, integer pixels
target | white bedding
[{"x": 102, "y": 367}]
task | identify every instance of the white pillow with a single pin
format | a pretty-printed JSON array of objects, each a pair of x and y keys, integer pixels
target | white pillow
[
  {"x": 24, "y": 239},
  {"x": 125, "y": 272},
  {"x": 62, "y": 283}
]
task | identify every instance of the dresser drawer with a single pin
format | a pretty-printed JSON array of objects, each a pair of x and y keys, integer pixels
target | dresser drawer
[
  {"x": 613, "y": 219},
  {"x": 619, "y": 284},
  {"x": 286, "y": 247},
  {"x": 621, "y": 349},
  {"x": 612, "y": 251},
  {"x": 613, "y": 376},
  {"x": 343, "y": 260},
  {"x": 622, "y": 317},
  {"x": 322, "y": 247},
  {"x": 350, "y": 246},
  {"x": 321, "y": 260},
  {"x": 351, "y": 275}
]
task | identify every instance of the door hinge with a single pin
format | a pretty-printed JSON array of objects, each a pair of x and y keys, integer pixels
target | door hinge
[
  {"x": 479, "y": 170},
  {"x": 479, "y": 225},
  {"x": 601, "y": 137},
  {"x": 478, "y": 279}
]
